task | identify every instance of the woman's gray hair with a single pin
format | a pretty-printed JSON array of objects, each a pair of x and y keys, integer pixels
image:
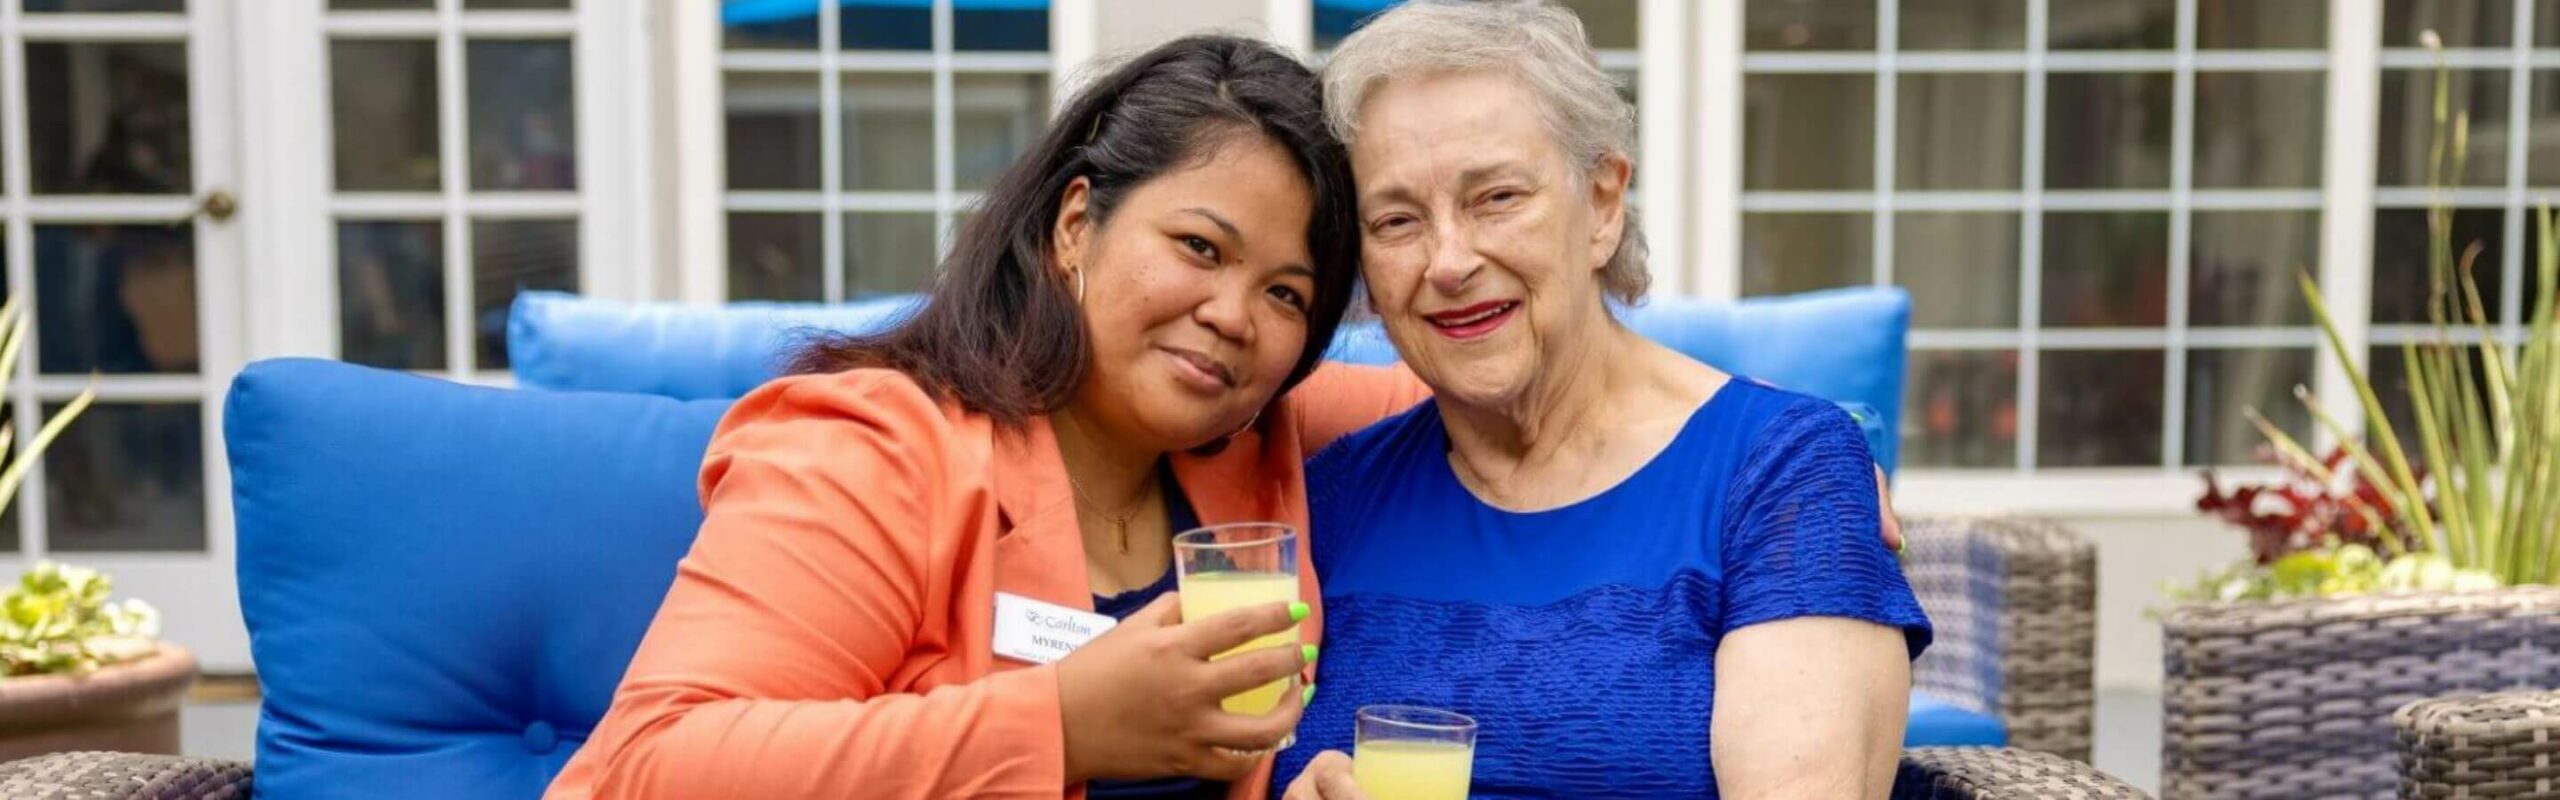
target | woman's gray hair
[{"x": 1538, "y": 44}]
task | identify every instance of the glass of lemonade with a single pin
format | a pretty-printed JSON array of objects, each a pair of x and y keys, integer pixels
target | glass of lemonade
[
  {"x": 1413, "y": 753},
  {"x": 1238, "y": 565}
]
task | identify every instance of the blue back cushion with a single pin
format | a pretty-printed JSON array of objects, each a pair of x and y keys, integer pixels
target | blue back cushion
[
  {"x": 443, "y": 583},
  {"x": 1844, "y": 345}
]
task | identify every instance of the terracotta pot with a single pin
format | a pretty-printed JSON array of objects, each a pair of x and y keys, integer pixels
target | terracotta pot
[{"x": 130, "y": 707}]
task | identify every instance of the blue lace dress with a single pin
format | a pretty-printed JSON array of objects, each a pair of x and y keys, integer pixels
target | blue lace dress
[{"x": 1582, "y": 639}]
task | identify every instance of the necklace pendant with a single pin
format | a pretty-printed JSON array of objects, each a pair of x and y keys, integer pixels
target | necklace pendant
[{"x": 1120, "y": 535}]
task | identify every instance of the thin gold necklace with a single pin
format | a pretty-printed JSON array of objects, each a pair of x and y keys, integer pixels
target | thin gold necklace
[{"x": 1119, "y": 522}]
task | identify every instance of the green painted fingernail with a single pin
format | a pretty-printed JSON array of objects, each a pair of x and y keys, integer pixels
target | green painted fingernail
[
  {"x": 1308, "y": 697},
  {"x": 1309, "y": 651},
  {"x": 1298, "y": 612}
]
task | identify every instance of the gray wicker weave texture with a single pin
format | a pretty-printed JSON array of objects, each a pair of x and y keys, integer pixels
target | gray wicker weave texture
[
  {"x": 2480, "y": 746},
  {"x": 1981, "y": 773},
  {"x": 2295, "y": 698},
  {"x": 123, "y": 776},
  {"x": 2014, "y": 602}
]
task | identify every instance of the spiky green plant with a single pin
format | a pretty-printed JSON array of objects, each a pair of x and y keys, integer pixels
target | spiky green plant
[{"x": 2489, "y": 500}]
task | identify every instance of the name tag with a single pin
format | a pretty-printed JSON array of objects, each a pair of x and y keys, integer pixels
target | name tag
[{"x": 1043, "y": 633}]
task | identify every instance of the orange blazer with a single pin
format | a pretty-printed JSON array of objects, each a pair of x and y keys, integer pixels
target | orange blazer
[{"x": 829, "y": 635}]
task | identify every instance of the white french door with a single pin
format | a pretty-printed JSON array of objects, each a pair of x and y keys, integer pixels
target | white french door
[{"x": 121, "y": 173}]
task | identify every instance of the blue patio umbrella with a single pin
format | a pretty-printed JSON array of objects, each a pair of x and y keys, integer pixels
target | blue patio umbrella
[{"x": 760, "y": 12}]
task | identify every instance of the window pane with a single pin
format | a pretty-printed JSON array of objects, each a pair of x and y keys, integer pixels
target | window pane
[
  {"x": 2462, "y": 23},
  {"x": 391, "y": 294},
  {"x": 888, "y": 132},
  {"x": 993, "y": 120},
  {"x": 127, "y": 477},
  {"x": 773, "y": 130},
  {"x": 2107, "y": 131},
  {"x": 1961, "y": 268},
  {"x": 2106, "y": 269},
  {"x": 487, "y": 5},
  {"x": 2248, "y": 24},
  {"x": 2401, "y": 282},
  {"x": 524, "y": 131},
  {"x": 2242, "y": 266},
  {"x": 1959, "y": 131},
  {"x": 2546, "y": 23},
  {"x": 884, "y": 26},
  {"x": 2258, "y": 130},
  {"x": 107, "y": 6},
  {"x": 2221, "y": 383},
  {"x": 512, "y": 256},
  {"x": 2408, "y": 125},
  {"x": 1961, "y": 409},
  {"x": 1000, "y": 26},
  {"x": 889, "y": 253},
  {"x": 2542, "y": 163},
  {"x": 2099, "y": 408},
  {"x": 108, "y": 118},
  {"x": 1608, "y": 24},
  {"x": 398, "y": 5},
  {"x": 776, "y": 257},
  {"x": 1809, "y": 25},
  {"x": 2113, "y": 24},
  {"x": 769, "y": 24},
  {"x": 1790, "y": 253},
  {"x": 115, "y": 299},
  {"x": 382, "y": 111},
  {"x": 1808, "y": 132},
  {"x": 1964, "y": 24}
]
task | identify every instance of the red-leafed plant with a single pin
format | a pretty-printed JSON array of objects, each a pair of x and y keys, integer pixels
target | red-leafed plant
[{"x": 2314, "y": 504}]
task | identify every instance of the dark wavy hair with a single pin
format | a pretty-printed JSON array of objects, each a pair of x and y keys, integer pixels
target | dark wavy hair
[{"x": 1001, "y": 332}]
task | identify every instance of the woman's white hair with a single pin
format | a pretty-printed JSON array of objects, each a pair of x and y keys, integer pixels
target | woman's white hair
[{"x": 1540, "y": 45}]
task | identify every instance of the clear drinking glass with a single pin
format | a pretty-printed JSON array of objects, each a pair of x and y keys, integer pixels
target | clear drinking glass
[
  {"x": 1227, "y": 567},
  {"x": 1413, "y": 753}
]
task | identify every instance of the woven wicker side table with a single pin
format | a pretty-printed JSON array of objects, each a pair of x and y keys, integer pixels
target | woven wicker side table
[
  {"x": 2292, "y": 699},
  {"x": 2480, "y": 746}
]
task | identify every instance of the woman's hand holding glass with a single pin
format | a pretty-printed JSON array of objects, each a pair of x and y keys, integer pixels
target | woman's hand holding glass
[{"x": 1143, "y": 699}]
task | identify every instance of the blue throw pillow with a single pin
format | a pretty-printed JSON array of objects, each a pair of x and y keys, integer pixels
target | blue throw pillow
[{"x": 444, "y": 583}]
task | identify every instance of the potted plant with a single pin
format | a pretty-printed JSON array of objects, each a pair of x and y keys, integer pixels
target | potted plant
[
  {"x": 77, "y": 671},
  {"x": 2418, "y": 566}
]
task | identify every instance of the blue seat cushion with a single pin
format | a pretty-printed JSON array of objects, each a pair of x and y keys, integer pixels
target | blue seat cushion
[
  {"x": 1844, "y": 345},
  {"x": 1937, "y": 723},
  {"x": 443, "y": 583}
]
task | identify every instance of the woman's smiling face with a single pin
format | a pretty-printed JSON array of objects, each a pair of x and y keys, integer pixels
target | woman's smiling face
[{"x": 1482, "y": 241}]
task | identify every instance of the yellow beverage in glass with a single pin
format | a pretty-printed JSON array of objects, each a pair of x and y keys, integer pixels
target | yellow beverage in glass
[
  {"x": 1412, "y": 753},
  {"x": 1240, "y": 565},
  {"x": 1209, "y": 593},
  {"x": 1413, "y": 770}
]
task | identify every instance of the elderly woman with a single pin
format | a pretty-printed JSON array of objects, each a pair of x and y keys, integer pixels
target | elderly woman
[{"x": 1643, "y": 577}]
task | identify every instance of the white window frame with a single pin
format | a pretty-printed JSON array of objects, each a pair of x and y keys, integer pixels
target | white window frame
[
  {"x": 291, "y": 207},
  {"x": 2345, "y": 198}
]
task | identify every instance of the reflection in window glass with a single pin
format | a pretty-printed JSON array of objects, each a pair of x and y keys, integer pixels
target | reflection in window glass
[
  {"x": 2262, "y": 24},
  {"x": 126, "y": 478},
  {"x": 2402, "y": 284},
  {"x": 994, "y": 119},
  {"x": 108, "y": 118},
  {"x": 2408, "y": 125},
  {"x": 1802, "y": 132},
  {"x": 524, "y": 128},
  {"x": 773, "y": 130},
  {"x": 2113, "y": 24},
  {"x": 776, "y": 257},
  {"x": 769, "y": 24},
  {"x": 1959, "y": 131},
  {"x": 382, "y": 108},
  {"x": 1022, "y": 26},
  {"x": 888, "y": 132},
  {"x": 391, "y": 294},
  {"x": 1964, "y": 25},
  {"x": 2460, "y": 23},
  {"x": 2107, "y": 130},
  {"x": 2258, "y": 130},
  {"x": 2099, "y": 408},
  {"x": 2242, "y": 267},
  {"x": 2106, "y": 269},
  {"x": 1961, "y": 268},
  {"x": 117, "y": 299},
  {"x": 1809, "y": 25},
  {"x": 1788, "y": 253},
  {"x": 1960, "y": 409},
  {"x": 891, "y": 253}
]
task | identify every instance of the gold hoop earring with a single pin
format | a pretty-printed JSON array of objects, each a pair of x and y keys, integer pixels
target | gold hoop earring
[{"x": 1079, "y": 273}]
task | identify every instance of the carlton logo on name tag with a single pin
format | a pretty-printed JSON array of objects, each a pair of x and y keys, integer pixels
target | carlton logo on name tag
[{"x": 1043, "y": 633}]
